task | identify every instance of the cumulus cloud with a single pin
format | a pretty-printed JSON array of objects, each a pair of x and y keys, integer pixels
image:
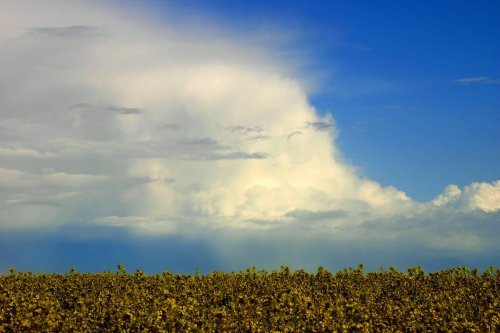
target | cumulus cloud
[
  {"x": 113, "y": 121},
  {"x": 476, "y": 196}
]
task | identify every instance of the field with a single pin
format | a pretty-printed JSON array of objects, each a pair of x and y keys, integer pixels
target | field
[{"x": 454, "y": 300}]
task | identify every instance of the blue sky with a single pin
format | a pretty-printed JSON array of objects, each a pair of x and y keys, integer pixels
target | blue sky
[{"x": 220, "y": 135}]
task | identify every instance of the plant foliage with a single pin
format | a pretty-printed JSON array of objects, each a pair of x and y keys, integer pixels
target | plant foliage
[{"x": 454, "y": 300}]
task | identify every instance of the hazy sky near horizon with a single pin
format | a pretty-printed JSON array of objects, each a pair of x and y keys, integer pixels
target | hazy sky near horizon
[{"x": 221, "y": 135}]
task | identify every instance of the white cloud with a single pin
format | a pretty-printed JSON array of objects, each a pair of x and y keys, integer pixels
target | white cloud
[
  {"x": 159, "y": 132},
  {"x": 483, "y": 196},
  {"x": 451, "y": 193},
  {"x": 476, "y": 79}
]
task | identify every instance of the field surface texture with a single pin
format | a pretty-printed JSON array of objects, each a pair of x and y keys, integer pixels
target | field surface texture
[{"x": 455, "y": 300}]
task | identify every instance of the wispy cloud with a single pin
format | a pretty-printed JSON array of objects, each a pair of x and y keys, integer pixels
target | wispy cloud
[
  {"x": 477, "y": 80},
  {"x": 73, "y": 31},
  {"x": 260, "y": 137},
  {"x": 245, "y": 129},
  {"x": 292, "y": 134},
  {"x": 320, "y": 125},
  {"x": 125, "y": 110}
]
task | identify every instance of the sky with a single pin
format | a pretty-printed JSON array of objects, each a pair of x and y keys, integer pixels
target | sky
[{"x": 217, "y": 135}]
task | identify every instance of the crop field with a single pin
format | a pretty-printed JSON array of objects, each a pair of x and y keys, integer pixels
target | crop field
[{"x": 454, "y": 300}]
